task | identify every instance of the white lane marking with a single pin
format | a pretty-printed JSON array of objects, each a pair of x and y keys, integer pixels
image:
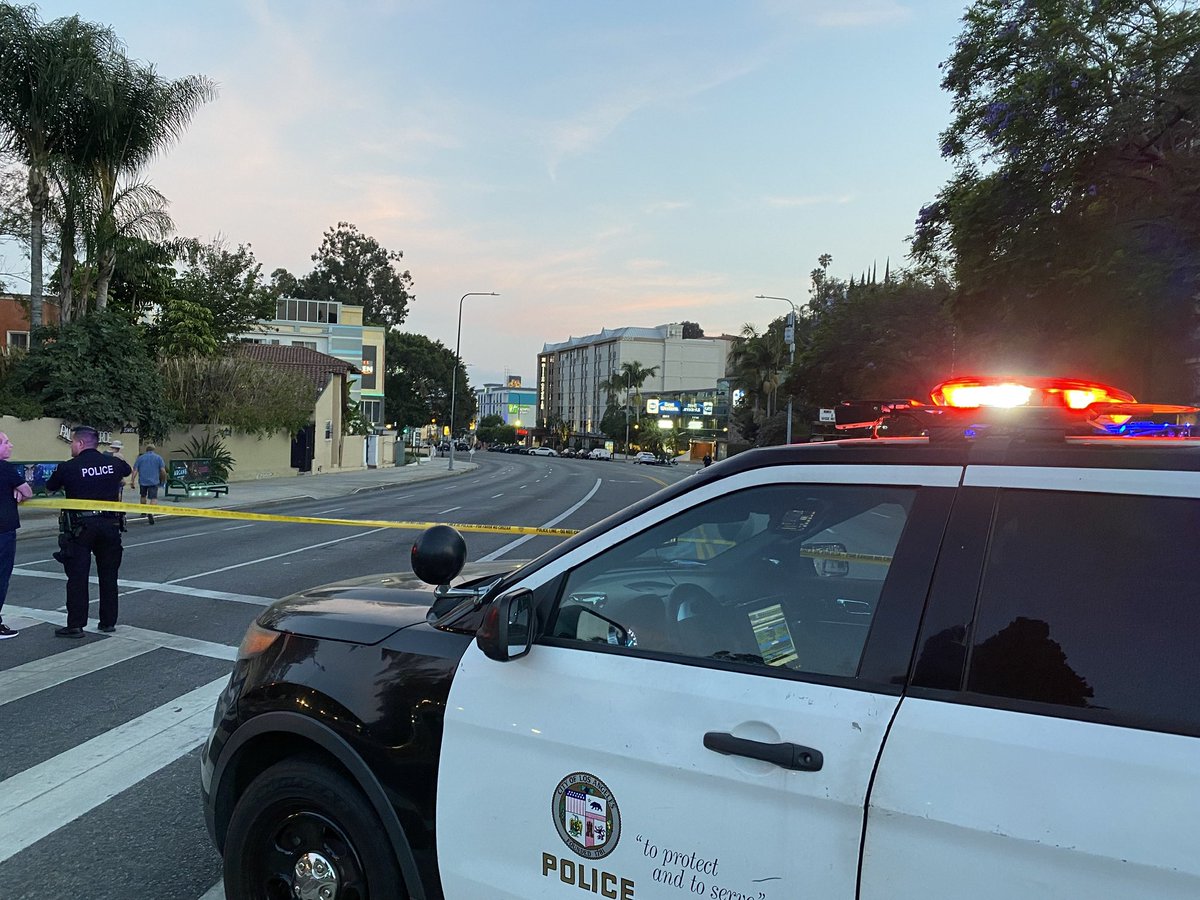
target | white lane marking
[
  {"x": 321, "y": 512},
  {"x": 44, "y": 798},
  {"x": 167, "y": 587},
  {"x": 450, "y": 510},
  {"x": 39, "y": 674},
  {"x": 254, "y": 562},
  {"x": 496, "y": 496},
  {"x": 141, "y": 635},
  {"x": 216, "y": 892},
  {"x": 513, "y": 545},
  {"x": 239, "y": 527}
]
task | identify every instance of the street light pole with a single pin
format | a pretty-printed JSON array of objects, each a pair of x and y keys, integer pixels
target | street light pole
[
  {"x": 792, "y": 346},
  {"x": 457, "y": 363}
]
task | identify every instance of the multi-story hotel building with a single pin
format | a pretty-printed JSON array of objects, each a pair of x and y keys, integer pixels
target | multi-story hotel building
[{"x": 570, "y": 373}]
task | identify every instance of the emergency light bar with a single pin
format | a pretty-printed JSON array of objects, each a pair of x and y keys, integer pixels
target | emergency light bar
[
  {"x": 972, "y": 407},
  {"x": 1006, "y": 393}
]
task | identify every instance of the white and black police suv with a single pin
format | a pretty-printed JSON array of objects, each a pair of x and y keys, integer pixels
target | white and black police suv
[{"x": 962, "y": 663}]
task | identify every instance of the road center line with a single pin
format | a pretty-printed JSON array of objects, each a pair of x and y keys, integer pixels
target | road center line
[
  {"x": 450, "y": 510},
  {"x": 254, "y": 562},
  {"x": 512, "y": 545}
]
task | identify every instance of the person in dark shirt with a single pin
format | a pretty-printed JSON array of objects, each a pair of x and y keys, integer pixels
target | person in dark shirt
[
  {"x": 89, "y": 475},
  {"x": 13, "y": 490}
]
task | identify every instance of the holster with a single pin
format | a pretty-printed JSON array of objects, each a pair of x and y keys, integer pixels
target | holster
[{"x": 69, "y": 523}]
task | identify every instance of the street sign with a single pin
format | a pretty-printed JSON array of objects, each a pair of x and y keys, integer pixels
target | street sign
[{"x": 827, "y": 415}]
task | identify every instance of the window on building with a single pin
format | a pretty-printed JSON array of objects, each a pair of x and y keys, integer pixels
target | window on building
[
  {"x": 293, "y": 310},
  {"x": 372, "y": 411},
  {"x": 311, "y": 345},
  {"x": 18, "y": 340}
]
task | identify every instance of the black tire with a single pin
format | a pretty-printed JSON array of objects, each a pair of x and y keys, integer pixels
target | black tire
[{"x": 301, "y": 806}]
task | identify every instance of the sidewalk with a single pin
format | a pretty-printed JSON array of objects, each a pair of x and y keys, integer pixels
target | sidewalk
[{"x": 255, "y": 496}]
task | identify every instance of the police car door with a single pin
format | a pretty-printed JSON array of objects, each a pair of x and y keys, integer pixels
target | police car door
[{"x": 704, "y": 710}]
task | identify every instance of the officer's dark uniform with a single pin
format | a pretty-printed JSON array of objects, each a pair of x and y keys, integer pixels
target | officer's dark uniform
[{"x": 90, "y": 476}]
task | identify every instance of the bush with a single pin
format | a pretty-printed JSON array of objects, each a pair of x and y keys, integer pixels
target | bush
[{"x": 212, "y": 448}]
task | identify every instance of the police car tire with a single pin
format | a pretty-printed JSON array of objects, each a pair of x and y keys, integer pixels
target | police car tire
[{"x": 307, "y": 788}]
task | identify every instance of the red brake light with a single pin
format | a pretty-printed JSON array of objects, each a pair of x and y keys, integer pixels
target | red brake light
[{"x": 1072, "y": 393}]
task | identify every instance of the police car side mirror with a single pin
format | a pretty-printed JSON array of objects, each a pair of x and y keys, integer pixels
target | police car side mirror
[
  {"x": 507, "y": 631},
  {"x": 826, "y": 556}
]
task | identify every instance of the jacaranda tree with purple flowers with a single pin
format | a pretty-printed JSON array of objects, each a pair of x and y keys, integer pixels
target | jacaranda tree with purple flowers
[{"x": 1071, "y": 227}]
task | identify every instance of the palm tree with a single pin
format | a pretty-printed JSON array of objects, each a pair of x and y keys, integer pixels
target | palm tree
[
  {"x": 139, "y": 116},
  {"x": 49, "y": 74},
  {"x": 757, "y": 361}
]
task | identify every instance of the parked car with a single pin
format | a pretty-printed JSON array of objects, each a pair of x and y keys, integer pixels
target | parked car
[
  {"x": 543, "y": 451},
  {"x": 646, "y": 457},
  {"x": 600, "y": 453},
  {"x": 957, "y": 665}
]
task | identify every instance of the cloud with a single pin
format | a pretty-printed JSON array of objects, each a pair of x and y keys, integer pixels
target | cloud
[{"x": 666, "y": 206}]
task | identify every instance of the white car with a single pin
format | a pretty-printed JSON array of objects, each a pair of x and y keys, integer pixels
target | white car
[
  {"x": 646, "y": 457},
  {"x": 600, "y": 453},
  {"x": 543, "y": 451}
]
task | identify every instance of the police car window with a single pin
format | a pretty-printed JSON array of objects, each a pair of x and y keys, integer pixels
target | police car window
[
  {"x": 782, "y": 577},
  {"x": 1089, "y": 601}
]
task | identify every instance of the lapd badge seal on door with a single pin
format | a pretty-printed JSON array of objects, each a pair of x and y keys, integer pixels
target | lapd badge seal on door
[{"x": 586, "y": 815}]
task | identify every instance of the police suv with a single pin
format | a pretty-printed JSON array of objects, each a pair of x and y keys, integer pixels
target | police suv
[{"x": 962, "y": 663}]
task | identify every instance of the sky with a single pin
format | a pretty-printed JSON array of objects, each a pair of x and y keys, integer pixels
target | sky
[{"x": 597, "y": 164}]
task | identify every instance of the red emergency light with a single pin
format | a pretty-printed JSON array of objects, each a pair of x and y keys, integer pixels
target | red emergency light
[{"x": 1008, "y": 392}]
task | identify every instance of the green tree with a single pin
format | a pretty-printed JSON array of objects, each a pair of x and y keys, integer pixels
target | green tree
[
  {"x": 135, "y": 119},
  {"x": 493, "y": 430},
  {"x": 352, "y": 267},
  {"x": 47, "y": 73},
  {"x": 417, "y": 382},
  {"x": 227, "y": 282},
  {"x": 98, "y": 371},
  {"x": 1071, "y": 226}
]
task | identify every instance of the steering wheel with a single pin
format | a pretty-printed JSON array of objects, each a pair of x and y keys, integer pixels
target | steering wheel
[{"x": 690, "y": 599}]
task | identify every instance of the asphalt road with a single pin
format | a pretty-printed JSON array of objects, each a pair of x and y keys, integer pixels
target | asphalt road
[{"x": 100, "y": 738}]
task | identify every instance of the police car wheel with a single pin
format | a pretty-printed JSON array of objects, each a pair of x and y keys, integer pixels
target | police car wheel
[{"x": 302, "y": 831}]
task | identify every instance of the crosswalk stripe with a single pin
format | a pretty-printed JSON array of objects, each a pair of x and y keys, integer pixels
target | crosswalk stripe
[
  {"x": 165, "y": 587},
  {"x": 133, "y": 633},
  {"x": 39, "y": 674},
  {"x": 42, "y": 799}
]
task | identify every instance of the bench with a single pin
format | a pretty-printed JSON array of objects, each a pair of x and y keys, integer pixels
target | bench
[{"x": 193, "y": 478}]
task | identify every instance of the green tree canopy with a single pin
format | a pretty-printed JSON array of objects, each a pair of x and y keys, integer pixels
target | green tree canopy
[
  {"x": 418, "y": 380},
  {"x": 352, "y": 267},
  {"x": 226, "y": 282},
  {"x": 95, "y": 371},
  {"x": 1071, "y": 225}
]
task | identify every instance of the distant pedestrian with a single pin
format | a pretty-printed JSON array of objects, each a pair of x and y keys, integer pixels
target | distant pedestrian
[
  {"x": 114, "y": 449},
  {"x": 149, "y": 471},
  {"x": 89, "y": 475},
  {"x": 707, "y": 460},
  {"x": 14, "y": 489}
]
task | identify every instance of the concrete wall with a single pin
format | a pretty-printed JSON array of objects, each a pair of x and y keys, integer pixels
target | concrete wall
[{"x": 254, "y": 458}]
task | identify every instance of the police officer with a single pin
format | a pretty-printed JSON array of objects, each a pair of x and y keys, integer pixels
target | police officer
[{"x": 89, "y": 475}]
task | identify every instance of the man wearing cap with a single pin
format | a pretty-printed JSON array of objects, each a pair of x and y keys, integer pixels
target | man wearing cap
[
  {"x": 150, "y": 471},
  {"x": 89, "y": 475},
  {"x": 114, "y": 449}
]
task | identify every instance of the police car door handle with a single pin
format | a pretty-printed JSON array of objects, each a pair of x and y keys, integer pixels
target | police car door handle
[{"x": 785, "y": 755}]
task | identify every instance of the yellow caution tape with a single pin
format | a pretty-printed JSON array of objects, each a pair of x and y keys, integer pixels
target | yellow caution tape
[
  {"x": 155, "y": 509},
  {"x": 848, "y": 557}
]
